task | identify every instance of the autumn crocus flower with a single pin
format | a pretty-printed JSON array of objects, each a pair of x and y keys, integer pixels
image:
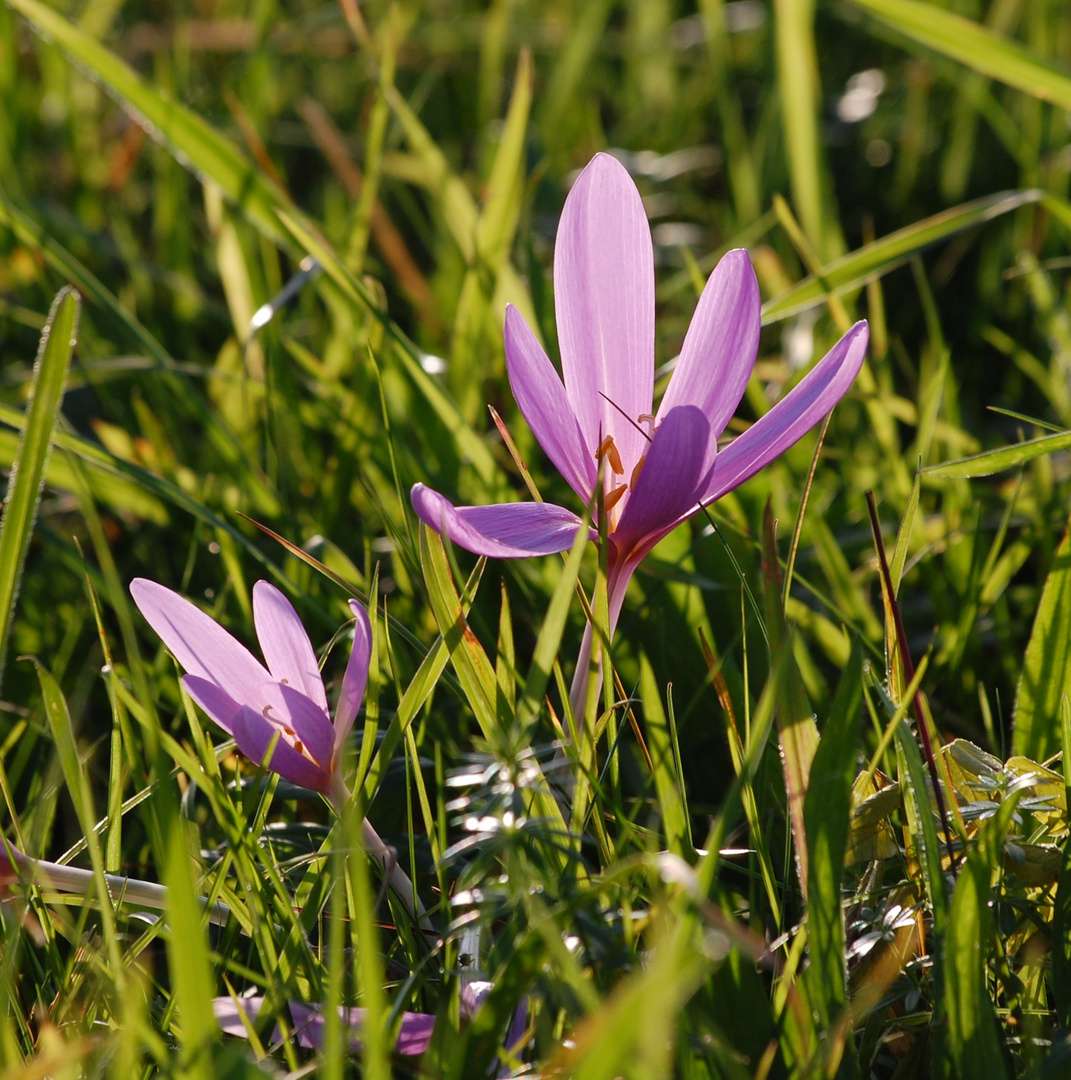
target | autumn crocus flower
[
  {"x": 658, "y": 465},
  {"x": 284, "y": 703},
  {"x": 255, "y": 704}
]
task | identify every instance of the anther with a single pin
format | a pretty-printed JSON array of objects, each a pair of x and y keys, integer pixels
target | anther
[
  {"x": 636, "y": 473},
  {"x": 615, "y": 496},
  {"x": 610, "y": 451}
]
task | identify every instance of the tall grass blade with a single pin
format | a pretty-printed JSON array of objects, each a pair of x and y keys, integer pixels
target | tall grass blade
[
  {"x": 973, "y": 1041},
  {"x": 667, "y": 780},
  {"x": 1061, "y": 915},
  {"x": 474, "y": 669},
  {"x": 795, "y": 721},
  {"x": 975, "y": 46},
  {"x": 827, "y": 810},
  {"x": 28, "y": 470},
  {"x": 192, "y": 985},
  {"x": 1007, "y": 457},
  {"x": 59, "y": 722},
  {"x": 797, "y": 77},
  {"x": 853, "y": 270},
  {"x": 1046, "y": 672}
]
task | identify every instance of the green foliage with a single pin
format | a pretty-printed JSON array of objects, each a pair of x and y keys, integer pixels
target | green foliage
[{"x": 728, "y": 861}]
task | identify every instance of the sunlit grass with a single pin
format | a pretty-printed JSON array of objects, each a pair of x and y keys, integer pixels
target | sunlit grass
[{"x": 733, "y": 865}]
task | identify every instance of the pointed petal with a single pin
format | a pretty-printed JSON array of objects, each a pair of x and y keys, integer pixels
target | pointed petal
[
  {"x": 198, "y": 642},
  {"x": 604, "y": 299},
  {"x": 253, "y": 734},
  {"x": 356, "y": 678},
  {"x": 501, "y": 530},
  {"x": 668, "y": 489},
  {"x": 289, "y": 708},
  {"x": 542, "y": 400},
  {"x": 215, "y": 701},
  {"x": 285, "y": 643},
  {"x": 793, "y": 416},
  {"x": 720, "y": 346},
  {"x": 414, "y": 1034},
  {"x": 229, "y": 1012}
]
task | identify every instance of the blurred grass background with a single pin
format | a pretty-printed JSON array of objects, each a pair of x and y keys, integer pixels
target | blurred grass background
[{"x": 423, "y": 151}]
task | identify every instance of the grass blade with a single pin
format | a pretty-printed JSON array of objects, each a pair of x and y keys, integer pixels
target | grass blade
[
  {"x": 1007, "y": 457},
  {"x": 973, "y": 1042},
  {"x": 853, "y": 270},
  {"x": 474, "y": 669},
  {"x": 795, "y": 722},
  {"x": 667, "y": 780},
  {"x": 1046, "y": 672},
  {"x": 826, "y": 814},
  {"x": 28, "y": 470},
  {"x": 974, "y": 46}
]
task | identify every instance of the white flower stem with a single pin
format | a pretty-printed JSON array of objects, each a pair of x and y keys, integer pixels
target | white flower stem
[
  {"x": 387, "y": 858},
  {"x": 122, "y": 890}
]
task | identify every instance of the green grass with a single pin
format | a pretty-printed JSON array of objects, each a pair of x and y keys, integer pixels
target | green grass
[{"x": 736, "y": 867}]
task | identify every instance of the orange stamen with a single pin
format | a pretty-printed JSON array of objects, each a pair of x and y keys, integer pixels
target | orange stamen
[
  {"x": 614, "y": 497},
  {"x": 636, "y": 473},
  {"x": 610, "y": 451}
]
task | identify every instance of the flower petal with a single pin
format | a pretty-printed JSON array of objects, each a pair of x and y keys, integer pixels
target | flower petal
[
  {"x": 287, "y": 707},
  {"x": 501, "y": 530},
  {"x": 793, "y": 416},
  {"x": 229, "y": 1012},
  {"x": 668, "y": 489},
  {"x": 414, "y": 1034},
  {"x": 604, "y": 300},
  {"x": 544, "y": 403},
  {"x": 720, "y": 346},
  {"x": 253, "y": 733},
  {"x": 285, "y": 643},
  {"x": 198, "y": 642},
  {"x": 214, "y": 700},
  {"x": 356, "y": 678}
]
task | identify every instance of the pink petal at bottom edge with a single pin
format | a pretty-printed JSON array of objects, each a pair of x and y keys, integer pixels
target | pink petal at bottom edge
[
  {"x": 501, "y": 530},
  {"x": 414, "y": 1035}
]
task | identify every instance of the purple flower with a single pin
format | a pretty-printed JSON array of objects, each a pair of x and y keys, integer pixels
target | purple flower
[
  {"x": 234, "y": 1014},
  {"x": 285, "y": 701},
  {"x": 660, "y": 465}
]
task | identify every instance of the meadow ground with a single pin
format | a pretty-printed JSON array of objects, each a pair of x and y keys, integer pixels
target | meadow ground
[{"x": 775, "y": 788}]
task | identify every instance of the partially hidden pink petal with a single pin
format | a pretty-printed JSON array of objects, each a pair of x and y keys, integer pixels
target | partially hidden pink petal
[
  {"x": 302, "y": 717},
  {"x": 793, "y": 416},
  {"x": 673, "y": 477},
  {"x": 356, "y": 678},
  {"x": 285, "y": 643},
  {"x": 721, "y": 344},
  {"x": 253, "y": 734},
  {"x": 414, "y": 1034},
  {"x": 501, "y": 530},
  {"x": 542, "y": 400},
  {"x": 605, "y": 304},
  {"x": 229, "y": 1012},
  {"x": 198, "y": 642}
]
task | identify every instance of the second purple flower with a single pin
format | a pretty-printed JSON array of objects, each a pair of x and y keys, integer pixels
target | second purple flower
[{"x": 284, "y": 701}]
